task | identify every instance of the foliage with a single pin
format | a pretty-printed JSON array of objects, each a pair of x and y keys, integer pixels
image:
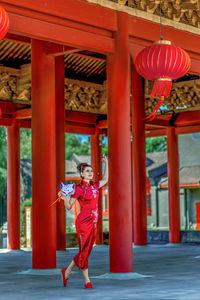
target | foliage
[
  {"x": 104, "y": 146},
  {"x": 26, "y": 202},
  {"x": 3, "y": 173},
  {"x": 156, "y": 144},
  {"x": 25, "y": 144},
  {"x": 74, "y": 144},
  {"x": 3, "y": 147},
  {"x": 70, "y": 229}
]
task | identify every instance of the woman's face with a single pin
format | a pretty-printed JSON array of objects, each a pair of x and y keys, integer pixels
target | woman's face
[{"x": 87, "y": 173}]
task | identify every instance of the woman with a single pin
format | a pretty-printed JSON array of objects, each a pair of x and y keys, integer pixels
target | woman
[{"x": 86, "y": 223}]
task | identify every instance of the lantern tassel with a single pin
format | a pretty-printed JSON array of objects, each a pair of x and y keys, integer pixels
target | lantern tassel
[
  {"x": 161, "y": 87},
  {"x": 154, "y": 112}
]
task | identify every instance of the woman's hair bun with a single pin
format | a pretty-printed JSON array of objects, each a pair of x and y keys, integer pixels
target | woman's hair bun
[{"x": 82, "y": 166}]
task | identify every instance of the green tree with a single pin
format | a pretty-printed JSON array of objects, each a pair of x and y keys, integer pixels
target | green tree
[
  {"x": 25, "y": 144},
  {"x": 3, "y": 174},
  {"x": 3, "y": 147},
  {"x": 104, "y": 147},
  {"x": 156, "y": 144},
  {"x": 74, "y": 144}
]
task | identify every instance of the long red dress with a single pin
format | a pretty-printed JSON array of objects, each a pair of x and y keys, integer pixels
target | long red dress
[{"x": 86, "y": 222}]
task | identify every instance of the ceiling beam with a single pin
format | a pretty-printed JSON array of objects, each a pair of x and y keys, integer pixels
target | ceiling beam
[
  {"x": 25, "y": 124},
  {"x": 102, "y": 124},
  {"x": 5, "y": 121},
  {"x": 156, "y": 132},
  {"x": 158, "y": 123},
  {"x": 187, "y": 129},
  {"x": 70, "y": 116},
  {"x": 72, "y": 127},
  {"x": 57, "y": 50},
  {"x": 188, "y": 118},
  {"x": 51, "y": 32},
  {"x": 25, "y": 113},
  {"x": 81, "y": 117},
  {"x": 72, "y": 10},
  {"x": 17, "y": 38},
  {"x": 154, "y": 123}
]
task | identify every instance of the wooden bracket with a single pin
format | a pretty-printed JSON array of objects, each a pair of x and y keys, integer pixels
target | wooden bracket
[{"x": 57, "y": 50}]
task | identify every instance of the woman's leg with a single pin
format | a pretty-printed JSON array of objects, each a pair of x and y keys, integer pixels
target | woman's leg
[
  {"x": 69, "y": 269},
  {"x": 85, "y": 275}
]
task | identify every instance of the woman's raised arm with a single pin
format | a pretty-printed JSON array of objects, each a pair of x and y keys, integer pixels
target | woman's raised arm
[{"x": 104, "y": 179}]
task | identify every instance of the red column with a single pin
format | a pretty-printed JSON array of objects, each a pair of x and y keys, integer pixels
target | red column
[
  {"x": 43, "y": 157},
  {"x": 13, "y": 186},
  {"x": 96, "y": 164},
  {"x": 60, "y": 149},
  {"x": 173, "y": 184},
  {"x": 138, "y": 160},
  {"x": 119, "y": 149}
]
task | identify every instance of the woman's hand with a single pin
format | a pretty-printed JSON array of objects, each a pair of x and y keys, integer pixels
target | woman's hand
[
  {"x": 105, "y": 175},
  {"x": 61, "y": 195},
  {"x": 104, "y": 158}
]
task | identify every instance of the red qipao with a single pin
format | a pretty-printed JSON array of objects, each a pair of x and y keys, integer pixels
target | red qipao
[{"x": 86, "y": 223}]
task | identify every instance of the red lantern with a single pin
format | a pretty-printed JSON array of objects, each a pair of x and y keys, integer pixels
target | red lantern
[
  {"x": 162, "y": 62},
  {"x": 4, "y": 22}
]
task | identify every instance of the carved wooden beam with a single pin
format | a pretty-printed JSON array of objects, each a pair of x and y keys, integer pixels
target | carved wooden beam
[
  {"x": 85, "y": 96},
  {"x": 184, "y": 96},
  {"x": 187, "y": 12}
]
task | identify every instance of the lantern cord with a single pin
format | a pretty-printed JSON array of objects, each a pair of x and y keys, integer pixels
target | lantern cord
[
  {"x": 161, "y": 34},
  {"x": 154, "y": 112}
]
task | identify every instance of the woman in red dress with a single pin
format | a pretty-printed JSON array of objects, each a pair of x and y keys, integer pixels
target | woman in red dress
[{"x": 86, "y": 223}]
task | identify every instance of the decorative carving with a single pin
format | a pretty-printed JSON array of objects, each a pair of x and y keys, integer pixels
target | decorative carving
[
  {"x": 7, "y": 86},
  {"x": 85, "y": 96},
  {"x": 185, "y": 95},
  {"x": 187, "y": 12},
  {"x": 23, "y": 93},
  {"x": 79, "y": 95},
  {"x": 89, "y": 97}
]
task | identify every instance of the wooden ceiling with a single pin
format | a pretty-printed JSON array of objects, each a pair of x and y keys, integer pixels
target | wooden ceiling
[{"x": 83, "y": 65}]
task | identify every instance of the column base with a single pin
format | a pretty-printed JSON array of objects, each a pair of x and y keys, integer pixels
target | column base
[{"x": 121, "y": 276}]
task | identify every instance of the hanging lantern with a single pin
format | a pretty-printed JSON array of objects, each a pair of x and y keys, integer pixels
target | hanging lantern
[
  {"x": 162, "y": 62},
  {"x": 4, "y": 22}
]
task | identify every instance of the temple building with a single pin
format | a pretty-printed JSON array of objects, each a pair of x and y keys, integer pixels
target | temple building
[{"x": 88, "y": 67}]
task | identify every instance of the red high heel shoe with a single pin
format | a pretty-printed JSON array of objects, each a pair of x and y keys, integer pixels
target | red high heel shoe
[
  {"x": 64, "y": 280},
  {"x": 88, "y": 285}
]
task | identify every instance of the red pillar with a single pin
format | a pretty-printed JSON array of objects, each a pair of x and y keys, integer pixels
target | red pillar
[
  {"x": 60, "y": 149},
  {"x": 119, "y": 149},
  {"x": 138, "y": 160},
  {"x": 43, "y": 157},
  {"x": 96, "y": 164},
  {"x": 173, "y": 184},
  {"x": 13, "y": 186}
]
